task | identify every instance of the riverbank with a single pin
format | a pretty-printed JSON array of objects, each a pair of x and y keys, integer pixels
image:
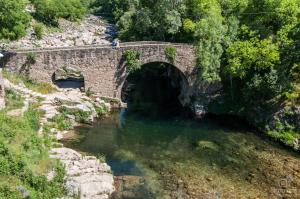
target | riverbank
[{"x": 86, "y": 176}]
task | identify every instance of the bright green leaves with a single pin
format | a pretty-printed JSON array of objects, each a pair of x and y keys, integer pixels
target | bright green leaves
[
  {"x": 132, "y": 60},
  {"x": 13, "y": 19},
  {"x": 252, "y": 56},
  {"x": 208, "y": 32},
  {"x": 49, "y": 11}
]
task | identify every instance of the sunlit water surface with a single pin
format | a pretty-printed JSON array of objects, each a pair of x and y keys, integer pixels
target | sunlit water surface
[{"x": 180, "y": 158}]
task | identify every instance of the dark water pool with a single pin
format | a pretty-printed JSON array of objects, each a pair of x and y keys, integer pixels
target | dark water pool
[{"x": 179, "y": 158}]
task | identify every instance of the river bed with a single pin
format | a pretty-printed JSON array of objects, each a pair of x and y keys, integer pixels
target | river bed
[{"x": 182, "y": 158}]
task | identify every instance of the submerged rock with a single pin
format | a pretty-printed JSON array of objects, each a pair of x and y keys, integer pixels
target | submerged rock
[{"x": 202, "y": 144}]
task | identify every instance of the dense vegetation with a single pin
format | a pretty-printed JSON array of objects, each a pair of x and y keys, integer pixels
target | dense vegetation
[
  {"x": 15, "y": 18},
  {"x": 251, "y": 46},
  {"x": 24, "y": 157}
]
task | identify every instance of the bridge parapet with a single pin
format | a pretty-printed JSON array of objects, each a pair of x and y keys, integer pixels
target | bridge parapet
[{"x": 103, "y": 67}]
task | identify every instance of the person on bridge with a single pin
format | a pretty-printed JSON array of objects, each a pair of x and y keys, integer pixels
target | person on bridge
[{"x": 116, "y": 43}]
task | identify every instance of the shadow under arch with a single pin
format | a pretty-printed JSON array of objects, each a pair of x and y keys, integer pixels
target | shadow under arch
[
  {"x": 69, "y": 78},
  {"x": 156, "y": 86}
]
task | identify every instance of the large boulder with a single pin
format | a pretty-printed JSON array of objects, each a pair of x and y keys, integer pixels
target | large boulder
[
  {"x": 68, "y": 73},
  {"x": 86, "y": 176}
]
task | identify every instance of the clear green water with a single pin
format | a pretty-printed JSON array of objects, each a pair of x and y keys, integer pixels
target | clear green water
[{"x": 179, "y": 158}]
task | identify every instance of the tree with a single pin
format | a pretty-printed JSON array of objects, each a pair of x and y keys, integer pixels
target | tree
[
  {"x": 246, "y": 58},
  {"x": 49, "y": 11},
  {"x": 13, "y": 19}
]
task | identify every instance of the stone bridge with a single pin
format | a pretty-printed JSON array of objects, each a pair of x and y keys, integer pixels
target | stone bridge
[{"x": 102, "y": 66}]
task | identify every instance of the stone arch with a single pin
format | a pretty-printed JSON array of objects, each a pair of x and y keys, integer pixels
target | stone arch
[
  {"x": 173, "y": 71},
  {"x": 68, "y": 77}
]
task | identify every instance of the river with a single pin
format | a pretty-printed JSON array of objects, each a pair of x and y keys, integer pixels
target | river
[{"x": 182, "y": 158}]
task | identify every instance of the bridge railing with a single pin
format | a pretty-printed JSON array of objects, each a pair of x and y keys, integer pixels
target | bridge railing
[{"x": 122, "y": 45}]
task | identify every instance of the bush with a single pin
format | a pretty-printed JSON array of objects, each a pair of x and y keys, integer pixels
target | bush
[
  {"x": 51, "y": 10},
  {"x": 22, "y": 155},
  {"x": 38, "y": 30},
  {"x": 171, "y": 53},
  {"x": 62, "y": 122},
  {"x": 13, "y": 19},
  {"x": 132, "y": 60},
  {"x": 101, "y": 110}
]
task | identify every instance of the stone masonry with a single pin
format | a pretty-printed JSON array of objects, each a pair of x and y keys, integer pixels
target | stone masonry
[{"x": 102, "y": 66}]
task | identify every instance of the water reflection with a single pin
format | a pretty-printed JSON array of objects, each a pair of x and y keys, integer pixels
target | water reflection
[{"x": 186, "y": 159}]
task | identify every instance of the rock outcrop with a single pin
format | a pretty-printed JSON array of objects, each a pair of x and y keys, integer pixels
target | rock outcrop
[
  {"x": 68, "y": 73},
  {"x": 86, "y": 177},
  {"x": 93, "y": 30}
]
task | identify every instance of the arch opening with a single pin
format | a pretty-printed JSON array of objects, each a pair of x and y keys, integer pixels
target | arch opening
[
  {"x": 68, "y": 77},
  {"x": 157, "y": 89}
]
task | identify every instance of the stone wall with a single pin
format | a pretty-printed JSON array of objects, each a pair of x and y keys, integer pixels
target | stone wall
[{"x": 103, "y": 67}]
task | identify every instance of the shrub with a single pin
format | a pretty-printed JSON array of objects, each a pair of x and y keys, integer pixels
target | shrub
[
  {"x": 132, "y": 60},
  {"x": 38, "y": 30},
  {"x": 171, "y": 53},
  {"x": 89, "y": 92},
  {"x": 82, "y": 116},
  {"x": 62, "y": 122},
  {"x": 21, "y": 158},
  {"x": 30, "y": 58},
  {"x": 51, "y": 10},
  {"x": 101, "y": 110},
  {"x": 13, "y": 19}
]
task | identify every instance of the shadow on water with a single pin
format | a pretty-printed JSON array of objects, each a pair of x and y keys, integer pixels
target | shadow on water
[
  {"x": 168, "y": 158},
  {"x": 154, "y": 152}
]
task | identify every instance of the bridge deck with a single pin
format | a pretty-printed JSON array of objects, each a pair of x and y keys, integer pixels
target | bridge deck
[{"x": 86, "y": 47}]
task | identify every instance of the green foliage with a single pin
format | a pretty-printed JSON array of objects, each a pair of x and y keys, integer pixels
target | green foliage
[
  {"x": 22, "y": 155},
  {"x": 51, "y": 10},
  {"x": 13, "y": 100},
  {"x": 132, "y": 60},
  {"x": 252, "y": 56},
  {"x": 171, "y": 53},
  {"x": 89, "y": 92},
  {"x": 62, "y": 122},
  {"x": 82, "y": 116},
  {"x": 13, "y": 19},
  {"x": 102, "y": 110},
  {"x": 38, "y": 30},
  {"x": 41, "y": 87},
  {"x": 30, "y": 58},
  {"x": 101, "y": 158}
]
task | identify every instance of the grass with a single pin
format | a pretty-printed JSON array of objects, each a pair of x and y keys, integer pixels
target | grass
[
  {"x": 13, "y": 100},
  {"x": 102, "y": 110},
  {"x": 61, "y": 122},
  {"x": 24, "y": 159},
  {"x": 40, "y": 87}
]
